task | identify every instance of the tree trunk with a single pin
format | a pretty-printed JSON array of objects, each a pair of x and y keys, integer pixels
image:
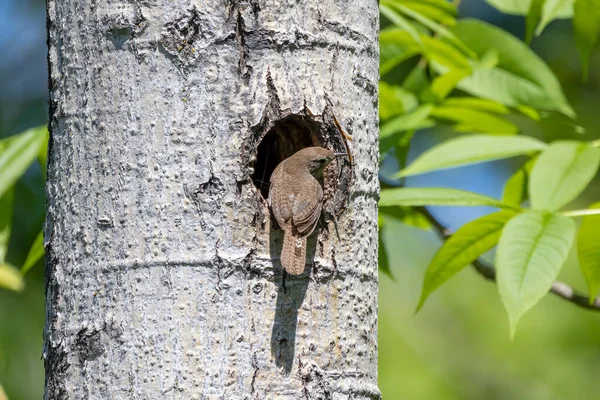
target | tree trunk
[{"x": 163, "y": 274}]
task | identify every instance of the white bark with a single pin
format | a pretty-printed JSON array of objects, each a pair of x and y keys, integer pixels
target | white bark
[{"x": 163, "y": 278}]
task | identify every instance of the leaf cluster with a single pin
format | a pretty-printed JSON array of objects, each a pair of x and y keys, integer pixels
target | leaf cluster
[
  {"x": 473, "y": 77},
  {"x": 17, "y": 154}
]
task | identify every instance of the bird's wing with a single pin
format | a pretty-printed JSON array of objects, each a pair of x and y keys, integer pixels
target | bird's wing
[
  {"x": 281, "y": 205},
  {"x": 307, "y": 209}
]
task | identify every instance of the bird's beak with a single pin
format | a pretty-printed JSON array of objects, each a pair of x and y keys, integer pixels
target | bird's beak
[{"x": 340, "y": 154}]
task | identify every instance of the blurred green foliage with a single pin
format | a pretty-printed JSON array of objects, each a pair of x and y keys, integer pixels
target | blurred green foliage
[{"x": 457, "y": 347}]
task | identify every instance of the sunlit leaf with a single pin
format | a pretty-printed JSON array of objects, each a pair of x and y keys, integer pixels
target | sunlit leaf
[
  {"x": 561, "y": 173},
  {"x": 588, "y": 251},
  {"x": 533, "y": 18},
  {"x": 36, "y": 252},
  {"x": 462, "y": 248},
  {"x": 395, "y": 46},
  {"x": 532, "y": 250},
  {"x": 444, "y": 54},
  {"x": 416, "y": 119},
  {"x": 6, "y": 214},
  {"x": 442, "y": 85},
  {"x": 586, "y": 23},
  {"x": 530, "y": 112},
  {"x": 443, "y": 5},
  {"x": 477, "y": 104},
  {"x": 488, "y": 60},
  {"x": 439, "y": 29},
  {"x": 3, "y": 395},
  {"x": 554, "y": 9},
  {"x": 17, "y": 153},
  {"x": 397, "y": 19},
  {"x": 520, "y": 78},
  {"x": 515, "y": 188},
  {"x": 514, "y": 7},
  {"x": 10, "y": 278},
  {"x": 470, "y": 150},
  {"x": 521, "y": 7},
  {"x": 435, "y": 197},
  {"x": 394, "y": 100},
  {"x": 431, "y": 11},
  {"x": 468, "y": 120}
]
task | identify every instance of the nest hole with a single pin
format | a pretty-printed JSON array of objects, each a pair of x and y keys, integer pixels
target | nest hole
[{"x": 286, "y": 137}]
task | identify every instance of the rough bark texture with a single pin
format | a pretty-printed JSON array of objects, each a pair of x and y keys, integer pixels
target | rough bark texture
[{"x": 163, "y": 274}]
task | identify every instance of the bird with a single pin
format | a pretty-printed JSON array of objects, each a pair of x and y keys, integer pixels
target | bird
[{"x": 296, "y": 200}]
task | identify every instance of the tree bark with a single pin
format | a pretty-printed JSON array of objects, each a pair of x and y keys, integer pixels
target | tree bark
[{"x": 163, "y": 274}]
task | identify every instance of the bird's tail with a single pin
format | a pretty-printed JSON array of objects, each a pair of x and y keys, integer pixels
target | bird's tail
[{"x": 293, "y": 253}]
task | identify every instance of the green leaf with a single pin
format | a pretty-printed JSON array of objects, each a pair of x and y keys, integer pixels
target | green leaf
[
  {"x": 416, "y": 119},
  {"x": 36, "y": 252},
  {"x": 586, "y": 23},
  {"x": 533, "y": 17},
  {"x": 43, "y": 154},
  {"x": 6, "y": 214},
  {"x": 532, "y": 250},
  {"x": 395, "y": 47},
  {"x": 435, "y": 197},
  {"x": 408, "y": 216},
  {"x": 488, "y": 60},
  {"x": 515, "y": 188},
  {"x": 382, "y": 256},
  {"x": 432, "y": 11},
  {"x": 476, "y": 104},
  {"x": 588, "y": 251},
  {"x": 417, "y": 81},
  {"x": 521, "y": 7},
  {"x": 462, "y": 248},
  {"x": 444, "y": 84},
  {"x": 10, "y": 278},
  {"x": 433, "y": 26},
  {"x": 394, "y": 100},
  {"x": 444, "y": 54},
  {"x": 17, "y": 153},
  {"x": 530, "y": 112},
  {"x": 513, "y": 7},
  {"x": 561, "y": 173},
  {"x": 520, "y": 78},
  {"x": 402, "y": 147},
  {"x": 554, "y": 9},
  {"x": 401, "y": 22},
  {"x": 401, "y": 144},
  {"x": 470, "y": 150},
  {"x": 443, "y": 5},
  {"x": 475, "y": 121}
]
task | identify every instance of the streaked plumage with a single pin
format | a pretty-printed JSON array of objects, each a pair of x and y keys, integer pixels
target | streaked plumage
[{"x": 296, "y": 199}]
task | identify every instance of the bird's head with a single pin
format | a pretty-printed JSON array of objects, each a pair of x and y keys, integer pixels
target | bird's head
[{"x": 315, "y": 158}]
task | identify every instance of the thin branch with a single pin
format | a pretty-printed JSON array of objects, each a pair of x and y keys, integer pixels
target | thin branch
[
  {"x": 581, "y": 213},
  {"x": 488, "y": 271}
]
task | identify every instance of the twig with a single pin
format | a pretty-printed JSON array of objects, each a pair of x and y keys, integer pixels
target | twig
[{"x": 488, "y": 271}]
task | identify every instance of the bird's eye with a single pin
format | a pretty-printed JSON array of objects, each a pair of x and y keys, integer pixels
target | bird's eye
[{"x": 322, "y": 160}]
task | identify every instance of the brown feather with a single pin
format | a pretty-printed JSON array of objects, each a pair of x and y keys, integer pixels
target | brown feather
[
  {"x": 296, "y": 200},
  {"x": 293, "y": 253}
]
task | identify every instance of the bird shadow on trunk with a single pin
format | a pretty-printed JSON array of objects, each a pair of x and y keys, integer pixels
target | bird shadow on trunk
[{"x": 291, "y": 291}]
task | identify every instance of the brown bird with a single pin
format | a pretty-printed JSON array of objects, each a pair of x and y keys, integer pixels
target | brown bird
[{"x": 296, "y": 198}]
